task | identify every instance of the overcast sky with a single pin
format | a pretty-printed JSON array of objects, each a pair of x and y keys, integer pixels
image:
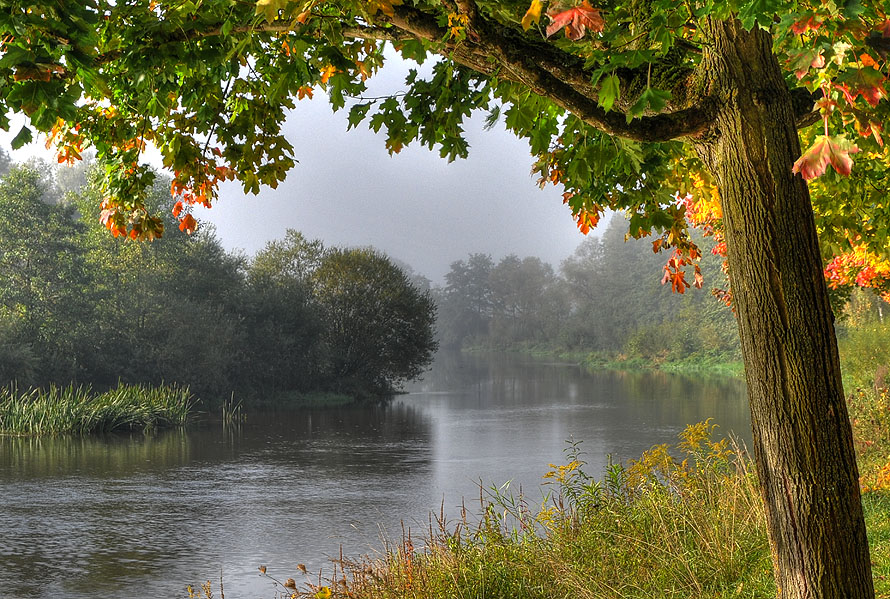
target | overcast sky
[{"x": 415, "y": 206}]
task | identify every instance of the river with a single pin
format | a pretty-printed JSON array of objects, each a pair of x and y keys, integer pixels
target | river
[{"x": 144, "y": 515}]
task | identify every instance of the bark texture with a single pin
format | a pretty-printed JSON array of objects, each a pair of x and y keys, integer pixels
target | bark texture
[{"x": 803, "y": 442}]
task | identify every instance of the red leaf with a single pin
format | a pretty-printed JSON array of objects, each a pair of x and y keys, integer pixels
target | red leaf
[
  {"x": 801, "y": 27},
  {"x": 866, "y": 81},
  {"x": 834, "y": 150},
  {"x": 576, "y": 21},
  {"x": 839, "y": 152}
]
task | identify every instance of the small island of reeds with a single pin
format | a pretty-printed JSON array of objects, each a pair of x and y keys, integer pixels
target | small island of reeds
[{"x": 80, "y": 410}]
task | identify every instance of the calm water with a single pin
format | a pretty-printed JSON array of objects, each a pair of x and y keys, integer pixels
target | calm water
[{"x": 144, "y": 516}]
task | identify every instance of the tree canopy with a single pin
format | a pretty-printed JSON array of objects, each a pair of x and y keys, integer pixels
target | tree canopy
[
  {"x": 602, "y": 93},
  {"x": 671, "y": 111}
]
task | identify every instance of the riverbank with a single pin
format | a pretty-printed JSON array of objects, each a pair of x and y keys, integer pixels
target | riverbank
[
  {"x": 685, "y": 521},
  {"x": 721, "y": 364},
  {"x": 79, "y": 410}
]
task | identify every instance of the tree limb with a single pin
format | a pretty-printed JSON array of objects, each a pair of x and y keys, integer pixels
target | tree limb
[{"x": 551, "y": 74}]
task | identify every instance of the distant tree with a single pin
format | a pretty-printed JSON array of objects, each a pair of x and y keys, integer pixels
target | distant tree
[
  {"x": 378, "y": 326},
  {"x": 521, "y": 289},
  {"x": 293, "y": 258},
  {"x": 5, "y": 162},
  {"x": 165, "y": 311},
  {"x": 466, "y": 303},
  {"x": 420, "y": 281}
]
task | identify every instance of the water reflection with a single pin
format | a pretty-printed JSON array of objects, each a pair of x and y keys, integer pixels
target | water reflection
[{"x": 112, "y": 515}]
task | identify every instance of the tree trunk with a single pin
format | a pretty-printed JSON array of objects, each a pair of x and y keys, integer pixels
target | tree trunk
[{"x": 803, "y": 443}]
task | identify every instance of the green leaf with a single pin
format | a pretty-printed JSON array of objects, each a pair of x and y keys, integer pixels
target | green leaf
[
  {"x": 610, "y": 90},
  {"x": 357, "y": 114},
  {"x": 760, "y": 12},
  {"x": 269, "y": 8},
  {"x": 23, "y": 137},
  {"x": 15, "y": 55},
  {"x": 852, "y": 9},
  {"x": 651, "y": 99}
]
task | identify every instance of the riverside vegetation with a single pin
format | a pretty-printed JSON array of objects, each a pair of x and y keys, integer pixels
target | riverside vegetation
[
  {"x": 297, "y": 320},
  {"x": 683, "y": 521},
  {"x": 79, "y": 410}
]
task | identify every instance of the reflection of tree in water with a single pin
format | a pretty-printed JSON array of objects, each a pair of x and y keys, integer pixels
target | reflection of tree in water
[
  {"x": 675, "y": 399},
  {"x": 78, "y": 515}
]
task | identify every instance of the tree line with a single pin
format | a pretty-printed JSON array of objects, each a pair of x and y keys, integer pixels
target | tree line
[
  {"x": 607, "y": 297},
  {"x": 78, "y": 305}
]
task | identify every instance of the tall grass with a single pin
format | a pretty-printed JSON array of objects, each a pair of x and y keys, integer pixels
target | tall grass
[{"x": 78, "y": 410}]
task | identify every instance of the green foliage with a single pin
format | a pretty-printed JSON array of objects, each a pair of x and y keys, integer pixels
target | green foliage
[
  {"x": 465, "y": 305},
  {"x": 78, "y": 304},
  {"x": 79, "y": 410},
  {"x": 41, "y": 269},
  {"x": 210, "y": 83}
]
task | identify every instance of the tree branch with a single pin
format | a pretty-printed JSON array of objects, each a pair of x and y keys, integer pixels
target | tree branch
[
  {"x": 551, "y": 74},
  {"x": 804, "y": 103}
]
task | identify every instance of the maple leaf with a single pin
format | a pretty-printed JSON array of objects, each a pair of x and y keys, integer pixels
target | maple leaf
[
  {"x": 866, "y": 81},
  {"x": 826, "y": 150},
  {"x": 327, "y": 72},
  {"x": 533, "y": 14},
  {"x": 587, "y": 219},
  {"x": 802, "y": 27},
  {"x": 188, "y": 224},
  {"x": 32, "y": 73},
  {"x": 576, "y": 21}
]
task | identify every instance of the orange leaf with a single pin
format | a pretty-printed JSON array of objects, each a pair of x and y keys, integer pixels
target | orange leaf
[
  {"x": 327, "y": 72},
  {"x": 868, "y": 61},
  {"x": 188, "y": 224}
]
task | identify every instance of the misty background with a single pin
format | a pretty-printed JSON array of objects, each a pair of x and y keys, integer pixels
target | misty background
[{"x": 414, "y": 206}]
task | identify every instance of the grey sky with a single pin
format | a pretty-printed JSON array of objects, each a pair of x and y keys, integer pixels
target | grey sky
[{"x": 415, "y": 206}]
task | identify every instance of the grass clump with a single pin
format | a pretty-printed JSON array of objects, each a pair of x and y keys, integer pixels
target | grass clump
[{"x": 78, "y": 410}]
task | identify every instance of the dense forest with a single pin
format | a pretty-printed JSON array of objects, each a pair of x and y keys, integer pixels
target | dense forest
[
  {"x": 79, "y": 305},
  {"x": 607, "y": 298}
]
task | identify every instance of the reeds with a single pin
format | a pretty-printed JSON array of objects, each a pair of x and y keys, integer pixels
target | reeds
[{"x": 78, "y": 410}]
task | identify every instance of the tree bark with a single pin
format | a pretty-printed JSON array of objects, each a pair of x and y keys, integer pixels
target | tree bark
[{"x": 803, "y": 445}]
